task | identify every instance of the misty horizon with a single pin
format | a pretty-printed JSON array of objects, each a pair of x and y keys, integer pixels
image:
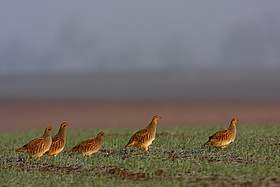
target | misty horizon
[
  {"x": 124, "y": 50},
  {"x": 137, "y": 36},
  {"x": 145, "y": 86}
]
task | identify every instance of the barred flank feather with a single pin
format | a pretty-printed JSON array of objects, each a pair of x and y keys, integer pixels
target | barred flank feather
[
  {"x": 21, "y": 149},
  {"x": 90, "y": 146},
  {"x": 58, "y": 141},
  {"x": 142, "y": 139},
  {"x": 39, "y": 146},
  {"x": 222, "y": 139}
]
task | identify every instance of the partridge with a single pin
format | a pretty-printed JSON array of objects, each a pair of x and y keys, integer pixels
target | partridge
[
  {"x": 222, "y": 139},
  {"x": 143, "y": 138},
  {"x": 58, "y": 141},
  {"x": 39, "y": 146},
  {"x": 90, "y": 146}
]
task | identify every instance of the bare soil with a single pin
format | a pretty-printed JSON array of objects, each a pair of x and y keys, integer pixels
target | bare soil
[{"x": 126, "y": 174}]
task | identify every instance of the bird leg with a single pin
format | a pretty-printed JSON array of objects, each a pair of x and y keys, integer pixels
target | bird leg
[{"x": 146, "y": 149}]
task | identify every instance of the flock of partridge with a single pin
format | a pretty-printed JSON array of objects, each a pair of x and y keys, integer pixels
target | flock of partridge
[{"x": 142, "y": 139}]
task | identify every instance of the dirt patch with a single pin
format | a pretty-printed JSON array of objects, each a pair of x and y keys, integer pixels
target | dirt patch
[
  {"x": 216, "y": 180},
  {"x": 113, "y": 171},
  {"x": 200, "y": 154},
  {"x": 122, "y": 173},
  {"x": 126, "y": 174},
  {"x": 43, "y": 167}
]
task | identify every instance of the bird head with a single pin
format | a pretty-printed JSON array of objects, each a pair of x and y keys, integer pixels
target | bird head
[
  {"x": 100, "y": 134},
  {"x": 49, "y": 128},
  {"x": 48, "y": 131},
  {"x": 234, "y": 121},
  {"x": 64, "y": 124},
  {"x": 155, "y": 119}
]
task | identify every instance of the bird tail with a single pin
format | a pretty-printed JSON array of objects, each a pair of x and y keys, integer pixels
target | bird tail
[
  {"x": 21, "y": 149},
  {"x": 129, "y": 144},
  {"x": 73, "y": 150},
  {"x": 126, "y": 146},
  {"x": 205, "y": 144}
]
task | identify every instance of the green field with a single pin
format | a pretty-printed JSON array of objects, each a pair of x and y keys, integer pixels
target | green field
[{"x": 176, "y": 158}]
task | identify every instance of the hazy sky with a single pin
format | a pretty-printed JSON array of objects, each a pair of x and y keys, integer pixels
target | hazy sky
[{"x": 64, "y": 35}]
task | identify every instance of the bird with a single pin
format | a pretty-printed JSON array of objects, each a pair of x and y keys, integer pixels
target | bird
[
  {"x": 58, "y": 141},
  {"x": 90, "y": 146},
  {"x": 223, "y": 138},
  {"x": 38, "y": 146},
  {"x": 143, "y": 138}
]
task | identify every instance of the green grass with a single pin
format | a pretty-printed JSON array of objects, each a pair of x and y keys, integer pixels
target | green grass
[{"x": 176, "y": 159}]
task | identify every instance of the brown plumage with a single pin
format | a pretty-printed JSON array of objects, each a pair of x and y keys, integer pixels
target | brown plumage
[
  {"x": 58, "y": 141},
  {"x": 39, "y": 146},
  {"x": 222, "y": 139},
  {"x": 90, "y": 146},
  {"x": 143, "y": 138}
]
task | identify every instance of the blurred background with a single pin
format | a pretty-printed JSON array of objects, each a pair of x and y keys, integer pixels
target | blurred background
[{"x": 100, "y": 64}]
